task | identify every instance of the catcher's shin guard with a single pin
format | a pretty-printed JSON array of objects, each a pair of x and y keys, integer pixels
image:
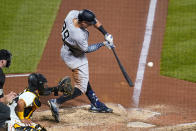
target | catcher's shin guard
[
  {"x": 53, "y": 103},
  {"x": 65, "y": 98},
  {"x": 54, "y": 109}
]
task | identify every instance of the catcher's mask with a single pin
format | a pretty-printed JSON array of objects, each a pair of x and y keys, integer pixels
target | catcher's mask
[
  {"x": 88, "y": 16},
  {"x": 6, "y": 55},
  {"x": 36, "y": 81}
]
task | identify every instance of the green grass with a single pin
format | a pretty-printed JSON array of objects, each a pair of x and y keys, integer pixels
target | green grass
[
  {"x": 179, "y": 47},
  {"x": 25, "y": 26}
]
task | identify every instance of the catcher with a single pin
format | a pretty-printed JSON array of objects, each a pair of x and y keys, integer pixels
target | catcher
[{"x": 28, "y": 101}]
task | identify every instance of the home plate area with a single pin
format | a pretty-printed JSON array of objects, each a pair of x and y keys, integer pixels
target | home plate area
[{"x": 80, "y": 119}]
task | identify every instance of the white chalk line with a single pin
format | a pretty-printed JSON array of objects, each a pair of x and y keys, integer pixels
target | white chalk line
[
  {"x": 181, "y": 126},
  {"x": 144, "y": 53},
  {"x": 17, "y": 75},
  {"x": 187, "y": 124}
]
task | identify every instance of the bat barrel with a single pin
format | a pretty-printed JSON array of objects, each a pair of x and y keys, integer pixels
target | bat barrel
[{"x": 126, "y": 76}]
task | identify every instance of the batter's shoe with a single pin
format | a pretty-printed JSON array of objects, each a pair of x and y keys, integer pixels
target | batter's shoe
[
  {"x": 102, "y": 109},
  {"x": 54, "y": 109}
]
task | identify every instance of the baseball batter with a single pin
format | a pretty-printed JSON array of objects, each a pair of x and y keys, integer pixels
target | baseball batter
[{"x": 73, "y": 52}]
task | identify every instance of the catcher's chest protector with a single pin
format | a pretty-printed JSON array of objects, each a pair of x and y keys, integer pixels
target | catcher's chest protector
[{"x": 36, "y": 104}]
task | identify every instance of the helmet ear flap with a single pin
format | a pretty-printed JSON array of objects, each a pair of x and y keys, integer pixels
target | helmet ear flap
[{"x": 33, "y": 80}]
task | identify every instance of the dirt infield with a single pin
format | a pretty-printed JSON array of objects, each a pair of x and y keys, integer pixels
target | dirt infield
[
  {"x": 174, "y": 99},
  {"x": 122, "y": 119}
]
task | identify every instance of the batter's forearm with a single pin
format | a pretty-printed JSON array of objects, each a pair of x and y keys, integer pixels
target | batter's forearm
[
  {"x": 94, "y": 47},
  {"x": 102, "y": 30},
  {"x": 99, "y": 26}
]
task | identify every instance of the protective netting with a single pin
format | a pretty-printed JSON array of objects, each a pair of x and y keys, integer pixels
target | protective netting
[{"x": 31, "y": 30}]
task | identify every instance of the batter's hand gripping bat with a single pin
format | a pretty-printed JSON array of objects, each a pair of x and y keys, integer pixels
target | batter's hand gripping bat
[{"x": 122, "y": 69}]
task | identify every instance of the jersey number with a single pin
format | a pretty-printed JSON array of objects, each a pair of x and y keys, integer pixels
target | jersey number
[{"x": 65, "y": 32}]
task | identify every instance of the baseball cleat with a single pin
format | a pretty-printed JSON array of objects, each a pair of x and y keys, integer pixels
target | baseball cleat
[
  {"x": 54, "y": 109},
  {"x": 102, "y": 109}
]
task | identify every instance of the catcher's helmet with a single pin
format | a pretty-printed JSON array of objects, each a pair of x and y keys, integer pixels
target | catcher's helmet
[
  {"x": 36, "y": 82},
  {"x": 87, "y": 15},
  {"x": 6, "y": 55}
]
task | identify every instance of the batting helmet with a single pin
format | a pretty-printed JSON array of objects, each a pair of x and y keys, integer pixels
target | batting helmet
[
  {"x": 36, "y": 82},
  {"x": 87, "y": 15},
  {"x": 6, "y": 55}
]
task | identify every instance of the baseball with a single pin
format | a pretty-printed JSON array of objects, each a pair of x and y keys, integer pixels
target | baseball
[{"x": 150, "y": 64}]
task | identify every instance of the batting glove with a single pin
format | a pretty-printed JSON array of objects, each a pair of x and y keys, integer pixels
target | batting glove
[
  {"x": 109, "y": 38},
  {"x": 109, "y": 45}
]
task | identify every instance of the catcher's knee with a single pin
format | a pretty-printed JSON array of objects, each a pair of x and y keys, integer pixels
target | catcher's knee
[{"x": 76, "y": 92}]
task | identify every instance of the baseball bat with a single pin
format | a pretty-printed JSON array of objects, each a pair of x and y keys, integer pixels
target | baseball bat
[{"x": 126, "y": 76}]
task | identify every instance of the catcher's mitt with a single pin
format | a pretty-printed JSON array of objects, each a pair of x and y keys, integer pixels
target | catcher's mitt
[{"x": 65, "y": 86}]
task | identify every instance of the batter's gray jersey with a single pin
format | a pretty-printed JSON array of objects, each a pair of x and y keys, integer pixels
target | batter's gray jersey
[{"x": 78, "y": 40}]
